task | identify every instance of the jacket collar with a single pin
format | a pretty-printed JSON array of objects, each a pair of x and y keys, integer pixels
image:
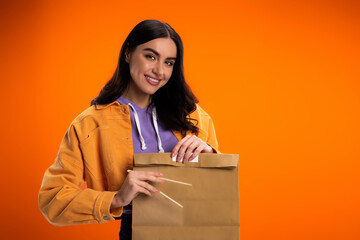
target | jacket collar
[{"x": 102, "y": 106}]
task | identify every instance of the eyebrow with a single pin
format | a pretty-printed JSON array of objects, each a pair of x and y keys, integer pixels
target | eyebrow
[{"x": 157, "y": 54}]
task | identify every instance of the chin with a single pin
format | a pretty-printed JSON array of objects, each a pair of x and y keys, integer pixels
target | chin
[
  {"x": 148, "y": 92},
  {"x": 151, "y": 91}
]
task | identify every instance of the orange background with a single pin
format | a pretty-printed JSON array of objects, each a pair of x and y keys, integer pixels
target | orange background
[{"x": 279, "y": 78}]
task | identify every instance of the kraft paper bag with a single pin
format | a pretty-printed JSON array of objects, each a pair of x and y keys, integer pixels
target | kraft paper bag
[{"x": 210, "y": 206}]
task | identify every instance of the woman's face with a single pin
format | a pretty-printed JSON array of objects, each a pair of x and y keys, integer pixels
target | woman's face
[{"x": 151, "y": 65}]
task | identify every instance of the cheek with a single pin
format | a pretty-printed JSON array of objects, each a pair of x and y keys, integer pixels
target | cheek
[
  {"x": 137, "y": 66},
  {"x": 169, "y": 73},
  {"x": 132, "y": 68}
]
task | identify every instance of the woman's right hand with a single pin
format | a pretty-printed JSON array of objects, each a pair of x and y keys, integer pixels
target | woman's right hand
[{"x": 136, "y": 182}]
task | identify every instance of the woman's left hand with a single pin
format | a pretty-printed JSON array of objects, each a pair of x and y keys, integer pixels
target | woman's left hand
[{"x": 190, "y": 147}]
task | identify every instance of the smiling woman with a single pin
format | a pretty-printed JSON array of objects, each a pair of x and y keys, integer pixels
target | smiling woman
[
  {"x": 151, "y": 65},
  {"x": 146, "y": 107}
]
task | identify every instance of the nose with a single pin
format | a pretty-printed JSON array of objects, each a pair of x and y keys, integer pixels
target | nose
[{"x": 158, "y": 69}]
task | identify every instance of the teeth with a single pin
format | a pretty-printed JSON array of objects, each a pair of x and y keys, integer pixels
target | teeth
[{"x": 151, "y": 79}]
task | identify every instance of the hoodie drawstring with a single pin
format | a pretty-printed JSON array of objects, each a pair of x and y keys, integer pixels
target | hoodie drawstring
[
  {"x": 143, "y": 144},
  {"x": 137, "y": 121},
  {"x": 161, "y": 150}
]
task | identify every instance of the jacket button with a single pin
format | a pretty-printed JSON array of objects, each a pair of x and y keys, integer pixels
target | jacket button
[{"x": 106, "y": 218}]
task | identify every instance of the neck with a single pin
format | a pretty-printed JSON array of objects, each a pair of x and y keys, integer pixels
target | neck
[{"x": 140, "y": 99}]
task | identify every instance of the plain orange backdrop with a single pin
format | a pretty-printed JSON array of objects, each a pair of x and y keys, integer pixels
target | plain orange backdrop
[{"x": 281, "y": 80}]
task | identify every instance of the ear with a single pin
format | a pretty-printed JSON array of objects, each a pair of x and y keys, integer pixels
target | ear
[{"x": 127, "y": 56}]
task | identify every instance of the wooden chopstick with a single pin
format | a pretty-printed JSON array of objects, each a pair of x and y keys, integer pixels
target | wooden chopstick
[
  {"x": 170, "y": 180},
  {"x": 171, "y": 199},
  {"x": 166, "y": 196}
]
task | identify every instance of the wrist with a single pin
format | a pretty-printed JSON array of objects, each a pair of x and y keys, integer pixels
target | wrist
[{"x": 116, "y": 202}]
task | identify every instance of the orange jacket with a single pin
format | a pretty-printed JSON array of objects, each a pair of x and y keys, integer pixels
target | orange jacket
[{"x": 97, "y": 150}]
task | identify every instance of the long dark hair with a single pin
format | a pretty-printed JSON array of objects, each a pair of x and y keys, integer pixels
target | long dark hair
[{"x": 175, "y": 100}]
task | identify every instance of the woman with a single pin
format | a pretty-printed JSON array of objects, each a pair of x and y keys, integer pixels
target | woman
[{"x": 145, "y": 107}]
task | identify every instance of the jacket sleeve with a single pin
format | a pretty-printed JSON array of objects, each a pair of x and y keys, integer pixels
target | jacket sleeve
[
  {"x": 212, "y": 141},
  {"x": 62, "y": 200}
]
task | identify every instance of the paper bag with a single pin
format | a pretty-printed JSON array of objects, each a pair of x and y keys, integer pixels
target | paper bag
[{"x": 210, "y": 206}]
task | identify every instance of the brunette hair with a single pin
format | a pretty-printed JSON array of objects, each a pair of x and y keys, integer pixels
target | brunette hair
[{"x": 175, "y": 100}]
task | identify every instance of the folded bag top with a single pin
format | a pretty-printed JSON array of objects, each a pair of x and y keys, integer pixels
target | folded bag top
[{"x": 206, "y": 160}]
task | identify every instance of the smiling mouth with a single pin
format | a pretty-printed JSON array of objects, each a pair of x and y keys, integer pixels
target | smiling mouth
[{"x": 152, "y": 80}]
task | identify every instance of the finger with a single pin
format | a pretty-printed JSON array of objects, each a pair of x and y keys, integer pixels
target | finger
[
  {"x": 191, "y": 148},
  {"x": 155, "y": 179},
  {"x": 139, "y": 187},
  {"x": 207, "y": 149},
  {"x": 197, "y": 152},
  {"x": 148, "y": 187},
  {"x": 129, "y": 191},
  {"x": 175, "y": 150},
  {"x": 146, "y": 176},
  {"x": 185, "y": 146},
  {"x": 177, "y": 146},
  {"x": 144, "y": 191},
  {"x": 133, "y": 186}
]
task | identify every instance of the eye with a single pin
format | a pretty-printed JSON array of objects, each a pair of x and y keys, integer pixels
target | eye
[
  {"x": 150, "y": 56},
  {"x": 169, "y": 63}
]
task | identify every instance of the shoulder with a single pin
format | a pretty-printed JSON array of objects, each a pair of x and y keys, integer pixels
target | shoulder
[
  {"x": 200, "y": 114},
  {"x": 97, "y": 116},
  {"x": 201, "y": 111},
  {"x": 201, "y": 119},
  {"x": 100, "y": 111}
]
